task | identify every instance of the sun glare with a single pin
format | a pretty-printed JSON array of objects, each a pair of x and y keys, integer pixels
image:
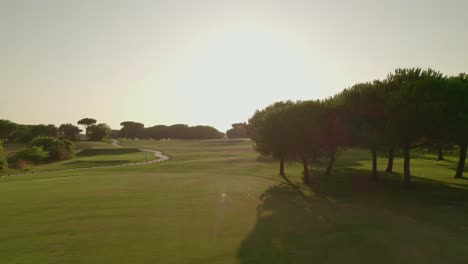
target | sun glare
[{"x": 247, "y": 61}]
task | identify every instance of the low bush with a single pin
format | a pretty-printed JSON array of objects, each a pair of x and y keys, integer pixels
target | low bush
[
  {"x": 3, "y": 158},
  {"x": 33, "y": 154},
  {"x": 57, "y": 149}
]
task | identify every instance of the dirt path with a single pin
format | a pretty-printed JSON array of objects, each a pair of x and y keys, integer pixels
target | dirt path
[{"x": 158, "y": 154}]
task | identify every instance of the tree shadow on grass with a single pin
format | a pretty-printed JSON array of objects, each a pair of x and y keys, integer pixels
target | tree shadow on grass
[
  {"x": 452, "y": 167},
  {"x": 433, "y": 157},
  {"x": 101, "y": 152},
  {"x": 350, "y": 219},
  {"x": 94, "y": 163},
  {"x": 225, "y": 141}
]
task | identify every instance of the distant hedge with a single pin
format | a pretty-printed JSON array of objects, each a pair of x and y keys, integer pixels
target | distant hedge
[
  {"x": 178, "y": 131},
  {"x": 3, "y": 158}
]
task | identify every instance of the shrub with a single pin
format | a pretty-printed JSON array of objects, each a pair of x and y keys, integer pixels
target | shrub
[
  {"x": 57, "y": 149},
  {"x": 3, "y": 159},
  {"x": 33, "y": 154}
]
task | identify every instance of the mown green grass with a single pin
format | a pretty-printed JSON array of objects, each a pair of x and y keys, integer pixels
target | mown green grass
[{"x": 175, "y": 211}]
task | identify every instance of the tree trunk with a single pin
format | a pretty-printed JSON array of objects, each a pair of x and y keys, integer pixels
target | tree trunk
[
  {"x": 305, "y": 164},
  {"x": 330, "y": 163},
  {"x": 406, "y": 166},
  {"x": 281, "y": 172},
  {"x": 440, "y": 154},
  {"x": 374, "y": 164},
  {"x": 461, "y": 161},
  {"x": 391, "y": 154}
]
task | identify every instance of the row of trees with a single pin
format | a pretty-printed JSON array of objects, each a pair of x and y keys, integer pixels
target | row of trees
[
  {"x": 410, "y": 108},
  {"x": 179, "y": 131},
  {"x": 13, "y": 132}
]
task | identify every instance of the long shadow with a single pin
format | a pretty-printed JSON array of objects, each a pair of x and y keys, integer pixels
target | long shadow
[
  {"x": 452, "y": 167},
  {"x": 351, "y": 219},
  {"x": 423, "y": 156},
  {"x": 94, "y": 163},
  {"x": 101, "y": 152},
  {"x": 225, "y": 142}
]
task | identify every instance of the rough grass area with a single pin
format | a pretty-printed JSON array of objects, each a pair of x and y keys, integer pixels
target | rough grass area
[
  {"x": 216, "y": 202},
  {"x": 87, "y": 154}
]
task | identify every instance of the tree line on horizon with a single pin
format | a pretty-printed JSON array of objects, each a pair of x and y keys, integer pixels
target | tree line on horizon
[
  {"x": 19, "y": 133},
  {"x": 134, "y": 130},
  {"x": 410, "y": 108}
]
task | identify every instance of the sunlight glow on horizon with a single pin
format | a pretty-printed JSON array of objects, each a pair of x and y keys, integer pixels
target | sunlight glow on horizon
[{"x": 209, "y": 62}]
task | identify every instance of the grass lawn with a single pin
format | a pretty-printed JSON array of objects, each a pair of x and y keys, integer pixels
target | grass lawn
[{"x": 217, "y": 202}]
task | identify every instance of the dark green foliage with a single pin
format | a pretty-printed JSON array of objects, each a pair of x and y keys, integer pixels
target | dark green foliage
[
  {"x": 69, "y": 131},
  {"x": 25, "y": 133},
  {"x": 34, "y": 154},
  {"x": 86, "y": 122},
  {"x": 7, "y": 128},
  {"x": 417, "y": 105},
  {"x": 57, "y": 149},
  {"x": 270, "y": 133},
  {"x": 456, "y": 120},
  {"x": 44, "y": 131},
  {"x": 411, "y": 108},
  {"x": 98, "y": 132},
  {"x": 363, "y": 108},
  {"x": 22, "y": 134},
  {"x": 114, "y": 134},
  {"x": 202, "y": 132},
  {"x": 306, "y": 133},
  {"x": 238, "y": 130},
  {"x": 3, "y": 158},
  {"x": 180, "y": 131},
  {"x": 131, "y": 129}
]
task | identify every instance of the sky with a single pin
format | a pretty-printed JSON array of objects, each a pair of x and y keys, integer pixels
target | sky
[{"x": 209, "y": 62}]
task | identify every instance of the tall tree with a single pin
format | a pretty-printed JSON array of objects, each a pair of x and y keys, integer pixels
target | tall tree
[
  {"x": 306, "y": 131},
  {"x": 363, "y": 107},
  {"x": 415, "y": 104},
  {"x": 335, "y": 133},
  {"x": 99, "y": 132},
  {"x": 86, "y": 122},
  {"x": 43, "y": 130},
  {"x": 69, "y": 131},
  {"x": 457, "y": 117},
  {"x": 7, "y": 128},
  {"x": 238, "y": 130},
  {"x": 131, "y": 129},
  {"x": 268, "y": 130}
]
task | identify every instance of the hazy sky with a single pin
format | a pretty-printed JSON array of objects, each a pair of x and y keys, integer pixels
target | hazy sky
[{"x": 209, "y": 62}]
